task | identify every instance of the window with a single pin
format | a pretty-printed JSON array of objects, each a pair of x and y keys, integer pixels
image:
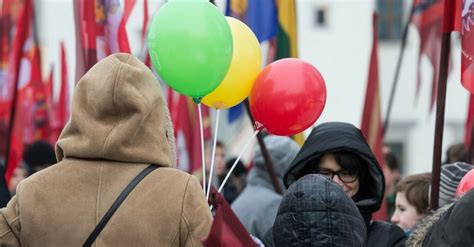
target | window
[
  {"x": 320, "y": 17},
  {"x": 396, "y": 148},
  {"x": 390, "y": 17}
]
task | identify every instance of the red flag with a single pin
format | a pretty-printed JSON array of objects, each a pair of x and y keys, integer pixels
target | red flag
[
  {"x": 452, "y": 15},
  {"x": 104, "y": 27},
  {"x": 20, "y": 65},
  {"x": 226, "y": 229},
  {"x": 185, "y": 118},
  {"x": 5, "y": 42},
  {"x": 85, "y": 20},
  {"x": 100, "y": 31},
  {"x": 39, "y": 117},
  {"x": 49, "y": 88},
  {"x": 49, "y": 91},
  {"x": 122, "y": 37},
  {"x": 371, "y": 125},
  {"x": 22, "y": 33},
  {"x": 80, "y": 41},
  {"x": 145, "y": 22},
  {"x": 467, "y": 45},
  {"x": 146, "y": 55},
  {"x": 62, "y": 107},
  {"x": 172, "y": 98},
  {"x": 467, "y": 65},
  {"x": 59, "y": 110},
  {"x": 428, "y": 18},
  {"x": 6, "y": 25}
]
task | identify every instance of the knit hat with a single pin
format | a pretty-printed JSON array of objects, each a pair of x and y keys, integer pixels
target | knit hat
[{"x": 451, "y": 175}]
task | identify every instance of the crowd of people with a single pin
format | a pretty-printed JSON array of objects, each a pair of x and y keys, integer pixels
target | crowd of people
[{"x": 112, "y": 181}]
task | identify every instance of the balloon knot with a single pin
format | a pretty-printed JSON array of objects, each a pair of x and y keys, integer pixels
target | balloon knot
[
  {"x": 219, "y": 105},
  {"x": 197, "y": 100},
  {"x": 258, "y": 126}
]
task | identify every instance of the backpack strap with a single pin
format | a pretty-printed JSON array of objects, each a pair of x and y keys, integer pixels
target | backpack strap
[{"x": 98, "y": 229}]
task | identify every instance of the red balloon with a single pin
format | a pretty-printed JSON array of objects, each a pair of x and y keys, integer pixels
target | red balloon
[{"x": 288, "y": 96}]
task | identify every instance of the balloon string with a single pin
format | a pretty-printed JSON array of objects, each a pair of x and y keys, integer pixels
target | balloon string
[
  {"x": 237, "y": 160},
  {"x": 202, "y": 150},
  {"x": 213, "y": 154}
]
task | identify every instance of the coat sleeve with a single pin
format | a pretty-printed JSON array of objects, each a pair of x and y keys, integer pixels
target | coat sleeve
[
  {"x": 10, "y": 224},
  {"x": 196, "y": 217},
  {"x": 382, "y": 233}
]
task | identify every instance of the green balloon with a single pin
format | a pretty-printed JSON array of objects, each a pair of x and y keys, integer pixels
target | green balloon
[{"x": 190, "y": 45}]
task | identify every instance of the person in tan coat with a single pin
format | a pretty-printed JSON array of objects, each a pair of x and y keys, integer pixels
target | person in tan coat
[{"x": 120, "y": 124}]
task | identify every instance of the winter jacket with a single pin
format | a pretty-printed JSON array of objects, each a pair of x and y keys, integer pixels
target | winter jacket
[
  {"x": 257, "y": 205},
  {"x": 119, "y": 125},
  {"x": 451, "y": 225},
  {"x": 315, "y": 211},
  {"x": 337, "y": 136}
]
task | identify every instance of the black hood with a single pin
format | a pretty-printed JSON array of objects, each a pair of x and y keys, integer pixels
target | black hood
[
  {"x": 338, "y": 136},
  {"x": 315, "y": 211}
]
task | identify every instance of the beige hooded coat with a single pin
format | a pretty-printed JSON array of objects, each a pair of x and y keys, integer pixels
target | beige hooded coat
[{"x": 119, "y": 125}]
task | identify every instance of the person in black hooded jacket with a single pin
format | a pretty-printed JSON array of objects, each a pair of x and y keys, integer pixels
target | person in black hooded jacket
[
  {"x": 339, "y": 151},
  {"x": 315, "y": 212}
]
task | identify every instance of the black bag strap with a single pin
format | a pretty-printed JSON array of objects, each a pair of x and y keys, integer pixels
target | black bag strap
[{"x": 98, "y": 229}]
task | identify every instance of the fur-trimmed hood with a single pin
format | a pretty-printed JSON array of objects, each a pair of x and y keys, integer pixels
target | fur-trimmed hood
[
  {"x": 424, "y": 226},
  {"x": 452, "y": 225}
]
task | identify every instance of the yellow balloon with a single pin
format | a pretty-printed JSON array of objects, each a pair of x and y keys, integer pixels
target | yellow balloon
[{"x": 244, "y": 68}]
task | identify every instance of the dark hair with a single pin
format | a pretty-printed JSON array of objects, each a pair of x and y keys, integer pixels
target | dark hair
[
  {"x": 220, "y": 144},
  {"x": 455, "y": 153},
  {"x": 354, "y": 164},
  {"x": 239, "y": 168},
  {"x": 350, "y": 162},
  {"x": 39, "y": 155},
  {"x": 391, "y": 161},
  {"x": 416, "y": 189}
]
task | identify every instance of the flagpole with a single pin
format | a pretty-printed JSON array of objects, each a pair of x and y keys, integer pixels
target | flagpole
[
  {"x": 266, "y": 156},
  {"x": 397, "y": 73},
  {"x": 441, "y": 102}
]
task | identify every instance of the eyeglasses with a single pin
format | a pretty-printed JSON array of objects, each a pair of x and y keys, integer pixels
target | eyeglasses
[{"x": 343, "y": 175}]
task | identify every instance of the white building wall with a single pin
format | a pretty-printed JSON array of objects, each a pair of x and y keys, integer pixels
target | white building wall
[{"x": 340, "y": 51}]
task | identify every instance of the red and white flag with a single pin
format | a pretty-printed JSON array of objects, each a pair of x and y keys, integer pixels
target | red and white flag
[{"x": 371, "y": 125}]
